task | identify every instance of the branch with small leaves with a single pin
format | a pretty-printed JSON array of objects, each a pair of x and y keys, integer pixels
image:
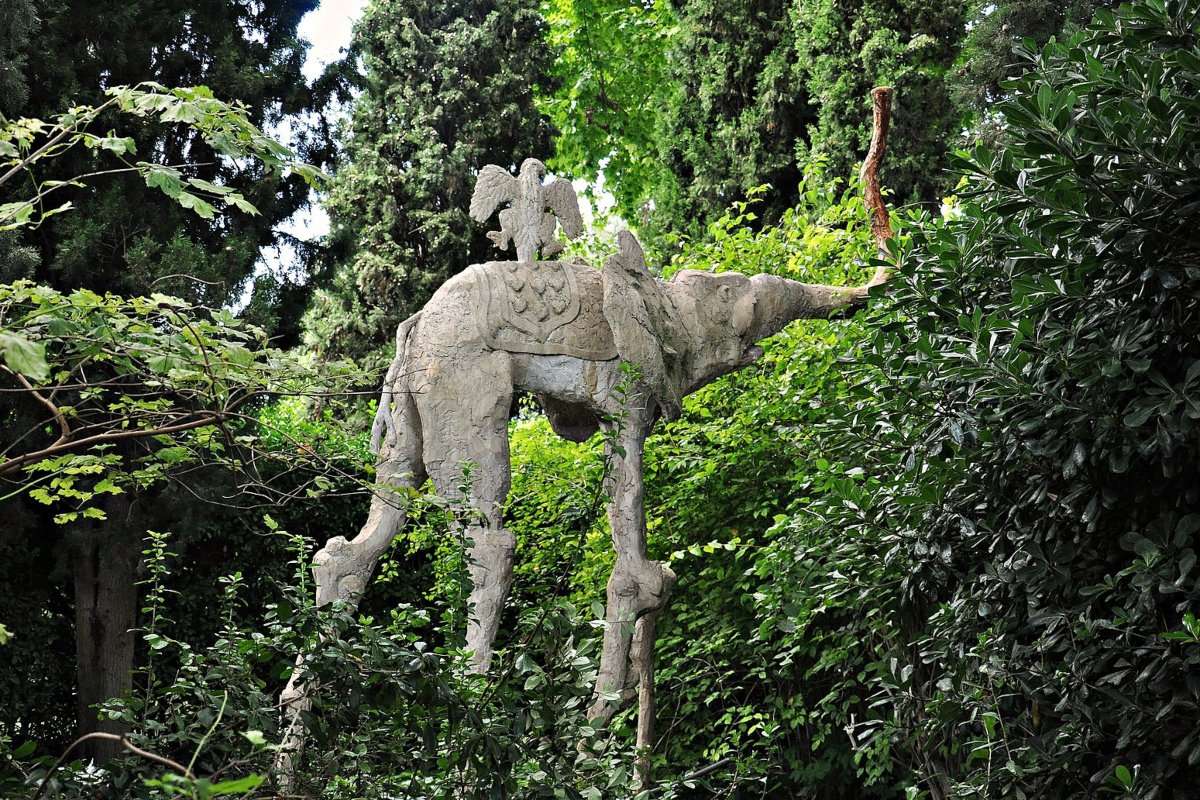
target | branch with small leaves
[
  {"x": 133, "y": 389},
  {"x": 25, "y": 143}
]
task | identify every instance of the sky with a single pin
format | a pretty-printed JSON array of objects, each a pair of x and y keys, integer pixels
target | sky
[{"x": 327, "y": 30}]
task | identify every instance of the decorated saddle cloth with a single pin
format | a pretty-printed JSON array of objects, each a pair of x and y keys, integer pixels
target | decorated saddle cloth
[{"x": 543, "y": 307}]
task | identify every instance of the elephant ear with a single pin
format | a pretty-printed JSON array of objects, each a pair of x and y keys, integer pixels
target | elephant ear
[{"x": 637, "y": 312}]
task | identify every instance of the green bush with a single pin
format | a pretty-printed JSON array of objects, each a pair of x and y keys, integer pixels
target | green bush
[{"x": 1030, "y": 432}]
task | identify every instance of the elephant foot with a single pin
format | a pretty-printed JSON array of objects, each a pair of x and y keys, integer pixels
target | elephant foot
[
  {"x": 638, "y": 590},
  {"x": 341, "y": 571}
]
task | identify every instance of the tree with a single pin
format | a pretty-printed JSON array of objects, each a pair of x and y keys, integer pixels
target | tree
[
  {"x": 738, "y": 114},
  {"x": 129, "y": 237},
  {"x": 688, "y": 108},
  {"x": 448, "y": 88},
  {"x": 103, "y": 391},
  {"x": 843, "y": 49},
  {"x": 18, "y": 21},
  {"x": 613, "y": 80}
]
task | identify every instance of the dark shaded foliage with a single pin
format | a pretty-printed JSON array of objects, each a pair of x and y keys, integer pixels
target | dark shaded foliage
[{"x": 1032, "y": 436}]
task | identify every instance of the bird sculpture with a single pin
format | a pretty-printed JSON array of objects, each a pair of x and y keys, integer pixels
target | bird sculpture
[{"x": 534, "y": 209}]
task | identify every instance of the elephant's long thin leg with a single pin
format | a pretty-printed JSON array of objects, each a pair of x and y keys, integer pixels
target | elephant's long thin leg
[
  {"x": 641, "y": 660},
  {"x": 342, "y": 568},
  {"x": 637, "y": 585},
  {"x": 464, "y": 409}
]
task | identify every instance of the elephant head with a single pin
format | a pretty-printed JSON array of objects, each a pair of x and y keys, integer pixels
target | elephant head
[{"x": 722, "y": 316}]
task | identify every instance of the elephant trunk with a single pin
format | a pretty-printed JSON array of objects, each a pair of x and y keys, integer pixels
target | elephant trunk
[{"x": 778, "y": 301}]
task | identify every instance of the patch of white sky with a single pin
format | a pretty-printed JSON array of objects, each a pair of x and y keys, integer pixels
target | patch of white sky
[{"x": 328, "y": 29}]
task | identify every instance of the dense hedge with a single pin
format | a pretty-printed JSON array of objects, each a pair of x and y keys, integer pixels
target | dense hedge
[{"x": 1030, "y": 429}]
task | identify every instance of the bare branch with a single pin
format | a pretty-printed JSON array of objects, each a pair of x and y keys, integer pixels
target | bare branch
[
  {"x": 881, "y": 223},
  {"x": 59, "y": 417},
  {"x": 128, "y": 745}
]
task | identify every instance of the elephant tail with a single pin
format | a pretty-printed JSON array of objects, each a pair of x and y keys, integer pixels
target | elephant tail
[{"x": 384, "y": 424}]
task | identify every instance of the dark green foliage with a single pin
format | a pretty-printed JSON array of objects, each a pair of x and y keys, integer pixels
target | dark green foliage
[
  {"x": 997, "y": 27},
  {"x": 18, "y": 20},
  {"x": 844, "y": 49},
  {"x": 126, "y": 237},
  {"x": 738, "y": 112},
  {"x": 1031, "y": 435},
  {"x": 395, "y": 715},
  {"x": 448, "y": 88},
  {"x": 762, "y": 85},
  {"x": 129, "y": 237}
]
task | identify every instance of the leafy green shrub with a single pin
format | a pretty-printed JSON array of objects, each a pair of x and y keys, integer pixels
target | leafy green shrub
[
  {"x": 1029, "y": 432},
  {"x": 393, "y": 716}
]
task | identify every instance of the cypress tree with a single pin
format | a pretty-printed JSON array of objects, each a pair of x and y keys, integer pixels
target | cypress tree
[
  {"x": 448, "y": 88},
  {"x": 765, "y": 85}
]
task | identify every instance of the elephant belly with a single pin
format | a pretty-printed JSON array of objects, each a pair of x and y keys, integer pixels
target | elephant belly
[
  {"x": 574, "y": 392},
  {"x": 575, "y": 381},
  {"x": 549, "y": 308}
]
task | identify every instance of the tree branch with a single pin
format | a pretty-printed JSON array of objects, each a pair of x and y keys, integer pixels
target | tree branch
[
  {"x": 59, "y": 417},
  {"x": 128, "y": 745},
  {"x": 14, "y": 464},
  {"x": 66, "y": 131},
  {"x": 881, "y": 224}
]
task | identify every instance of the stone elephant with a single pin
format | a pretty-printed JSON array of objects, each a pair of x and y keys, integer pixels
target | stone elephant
[{"x": 559, "y": 331}]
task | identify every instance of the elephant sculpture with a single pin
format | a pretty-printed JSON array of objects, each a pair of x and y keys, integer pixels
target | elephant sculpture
[
  {"x": 560, "y": 331},
  {"x": 557, "y": 330}
]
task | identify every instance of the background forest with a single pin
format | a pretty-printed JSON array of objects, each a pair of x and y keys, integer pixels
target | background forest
[{"x": 945, "y": 548}]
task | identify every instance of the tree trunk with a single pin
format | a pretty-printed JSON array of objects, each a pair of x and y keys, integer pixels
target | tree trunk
[{"x": 104, "y": 566}]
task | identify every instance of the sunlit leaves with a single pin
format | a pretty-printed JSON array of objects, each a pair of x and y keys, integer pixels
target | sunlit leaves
[
  {"x": 25, "y": 143},
  {"x": 24, "y": 356}
]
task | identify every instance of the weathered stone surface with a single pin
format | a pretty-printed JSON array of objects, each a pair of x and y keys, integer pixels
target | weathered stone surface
[
  {"x": 645, "y": 324},
  {"x": 536, "y": 207},
  {"x": 544, "y": 307}
]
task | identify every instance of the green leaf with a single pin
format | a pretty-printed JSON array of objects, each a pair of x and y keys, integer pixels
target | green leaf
[
  {"x": 24, "y": 356},
  {"x": 255, "y": 738},
  {"x": 242, "y": 204},
  {"x": 166, "y": 179},
  {"x": 236, "y": 786},
  {"x": 202, "y": 208}
]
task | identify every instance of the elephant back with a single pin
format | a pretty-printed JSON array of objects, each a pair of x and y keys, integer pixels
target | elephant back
[{"x": 552, "y": 308}]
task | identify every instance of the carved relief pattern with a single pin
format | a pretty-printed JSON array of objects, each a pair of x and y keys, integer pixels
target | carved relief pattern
[{"x": 538, "y": 308}]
